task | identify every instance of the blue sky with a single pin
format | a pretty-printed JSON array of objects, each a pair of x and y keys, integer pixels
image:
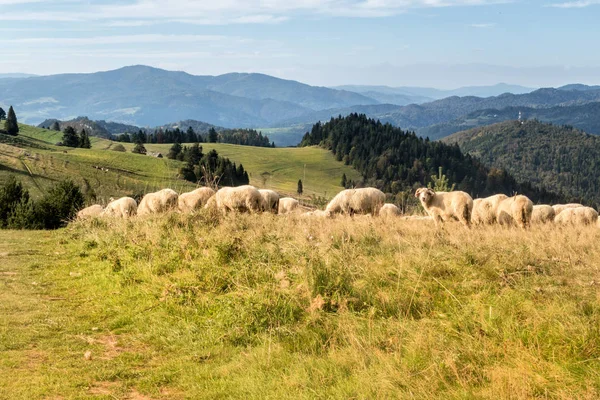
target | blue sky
[{"x": 442, "y": 43}]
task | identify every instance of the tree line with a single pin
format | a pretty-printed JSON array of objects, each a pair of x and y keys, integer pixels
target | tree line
[
  {"x": 207, "y": 168},
  {"x": 58, "y": 206},
  {"x": 245, "y": 137},
  {"x": 398, "y": 161}
]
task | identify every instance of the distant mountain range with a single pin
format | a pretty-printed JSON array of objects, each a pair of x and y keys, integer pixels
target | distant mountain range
[
  {"x": 417, "y": 95},
  {"x": 149, "y": 97}
]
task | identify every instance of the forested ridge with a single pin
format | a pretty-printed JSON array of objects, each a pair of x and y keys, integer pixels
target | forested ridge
[
  {"x": 561, "y": 158},
  {"x": 398, "y": 161}
]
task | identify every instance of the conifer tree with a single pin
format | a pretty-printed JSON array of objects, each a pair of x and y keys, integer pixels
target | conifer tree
[
  {"x": 2, "y": 114},
  {"x": 84, "y": 140},
  {"x": 10, "y": 125},
  {"x": 300, "y": 189},
  {"x": 70, "y": 138}
]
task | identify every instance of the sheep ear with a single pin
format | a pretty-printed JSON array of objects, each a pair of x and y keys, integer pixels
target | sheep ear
[
  {"x": 418, "y": 192},
  {"x": 431, "y": 192}
]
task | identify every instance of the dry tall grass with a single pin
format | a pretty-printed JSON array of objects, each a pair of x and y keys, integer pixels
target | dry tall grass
[
  {"x": 361, "y": 308},
  {"x": 263, "y": 306}
]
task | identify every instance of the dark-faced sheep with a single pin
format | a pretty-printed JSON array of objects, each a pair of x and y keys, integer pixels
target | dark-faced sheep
[{"x": 446, "y": 206}]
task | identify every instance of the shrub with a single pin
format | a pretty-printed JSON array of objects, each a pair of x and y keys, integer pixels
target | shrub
[
  {"x": 119, "y": 147},
  {"x": 60, "y": 205}
]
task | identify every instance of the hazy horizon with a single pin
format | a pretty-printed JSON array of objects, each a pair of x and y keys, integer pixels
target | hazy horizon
[{"x": 435, "y": 43}]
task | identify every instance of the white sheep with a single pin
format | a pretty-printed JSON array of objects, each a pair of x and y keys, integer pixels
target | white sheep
[
  {"x": 515, "y": 210},
  {"x": 241, "y": 198},
  {"x": 357, "y": 201},
  {"x": 124, "y": 207},
  {"x": 90, "y": 212},
  {"x": 542, "y": 214},
  {"x": 446, "y": 206},
  {"x": 389, "y": 210},
  {"x": 288, "y": 205},
  {"x": 577, "y": 216},
  {"x": 318, "y": 214},
  {"x": 270, "y": 200},
  {"x": 558, "y": 208},
  {"x": 158, "y": 202},
  {"x": 485, "y": 210},
  {"x": 194, "y": 200}
]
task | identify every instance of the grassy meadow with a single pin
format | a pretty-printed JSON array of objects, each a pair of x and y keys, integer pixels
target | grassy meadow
[
  {"x": 35, "y": 160},
  {"x": 262, "y": 306}
]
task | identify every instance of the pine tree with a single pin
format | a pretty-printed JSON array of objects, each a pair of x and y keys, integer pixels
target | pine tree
[
  {"x": 139, "y": 148},
  {"x": 55, "y": 126},
  {"x": 2, "y": 114},
  {"x": 70, "y": 138},
  {"x": 344, "y": 181},
  {"x": 84, "y": 140},
  {"x": 213, "y": 136},
  {"x": 300, "y": 189},
  {"x": 10, "y": 125},
  {"x": 174, "y": 151}
]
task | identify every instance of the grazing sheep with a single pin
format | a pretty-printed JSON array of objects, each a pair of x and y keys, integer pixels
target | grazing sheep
[
  {"x": 158, "y": 202},
  {"x": 485, "y": 210},
  {"x": 270, "y": 200},
  {"x": 558, "y": 208},
  {"x": 124, "y": 207},
  {"x": 598, "y": 223},
  {"x": 357, "y": 201},
  {"x": 446, "y": 206},
  {"x": 241, "y": 198},
  {"x": 90, "y": 212},
  {"x": 288, "y": 205},
  {"x": 194, "y": 200},
  {"x": 515, "y": 210},
  {"x": 577, "y": 216},
  {"x": 389, "y": 210},
  {"x": 542, "y": 214}
]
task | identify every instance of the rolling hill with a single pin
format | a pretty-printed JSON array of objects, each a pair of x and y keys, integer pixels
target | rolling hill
[
  {"x": 559, "y": 158},
  {"x": 33, "y": 158}
]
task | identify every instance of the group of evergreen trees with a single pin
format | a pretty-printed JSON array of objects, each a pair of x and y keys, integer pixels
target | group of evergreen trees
[
  {"x": 19, "y": 211},
  {"x": 72, "y": 139},
  {"x": 209, "y": 168},
  {"x": 398, "y": 161},
  {"x": 245, "y": 137},
  {"x": 11, "y": 126}
]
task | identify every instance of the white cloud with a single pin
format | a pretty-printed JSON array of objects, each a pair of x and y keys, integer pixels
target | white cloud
[
  {"x": 576, "y": 4},
  {"x": 483, "y": 26},
  {"x": 230, "y": 11},
  {"x": 117, "y": 39}
]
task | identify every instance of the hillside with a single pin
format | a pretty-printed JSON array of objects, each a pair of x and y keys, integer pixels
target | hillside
[
  {"x": 34, "y": 159},
  {"x": 562, "y": 159},
  {"x": 397, "y": 161},
  {"x": 260, "y": 306},
  {"x": 99, "y": 128},
  {"x": 146, "y": 96},
  {"x": 585, "y": 117}
]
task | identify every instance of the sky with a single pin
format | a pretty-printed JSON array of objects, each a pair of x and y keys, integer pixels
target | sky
[{"x": 436, "y": 43}]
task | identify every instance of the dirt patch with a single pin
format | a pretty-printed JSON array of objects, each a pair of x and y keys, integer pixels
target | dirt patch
[
  {"x": 135, "y": 395},
  {"x": 104, "y": 388},
  {"x": 110, "y": 343}
]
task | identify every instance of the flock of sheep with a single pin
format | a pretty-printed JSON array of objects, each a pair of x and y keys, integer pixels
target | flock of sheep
[{"x": 440, "y": 206}]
